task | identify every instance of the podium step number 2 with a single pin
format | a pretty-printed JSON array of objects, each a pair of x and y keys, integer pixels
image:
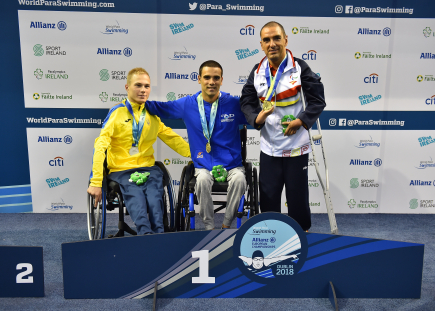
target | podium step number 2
[{"x": 22, "y": 271}]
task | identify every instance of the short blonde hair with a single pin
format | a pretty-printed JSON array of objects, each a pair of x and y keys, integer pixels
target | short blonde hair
[{"x": 136, "y": 71}]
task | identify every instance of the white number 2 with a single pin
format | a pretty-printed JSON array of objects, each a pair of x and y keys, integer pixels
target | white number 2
[
  {"x": 203, "y": 268},
  {"x": 21, "y": 275}
]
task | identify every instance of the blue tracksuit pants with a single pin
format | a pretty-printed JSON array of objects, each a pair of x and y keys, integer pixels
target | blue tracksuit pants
[{"x": 143, "y": 202}]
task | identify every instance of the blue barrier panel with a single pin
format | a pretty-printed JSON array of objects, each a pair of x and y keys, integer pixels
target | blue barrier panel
[
  {"x": 270, "y": 256},
  {"x": 21, "y": 271}
]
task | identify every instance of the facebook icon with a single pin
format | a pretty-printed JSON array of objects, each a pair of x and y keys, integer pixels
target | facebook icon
[
  {"x": 341, "y": 122},
  {"x": 349, "y": 9}
]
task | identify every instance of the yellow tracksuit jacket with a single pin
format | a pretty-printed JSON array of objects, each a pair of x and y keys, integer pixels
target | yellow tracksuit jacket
[{"x": 116, "y": 137}]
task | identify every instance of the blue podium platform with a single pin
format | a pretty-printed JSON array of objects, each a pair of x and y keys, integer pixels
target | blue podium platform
[{"x": 268, "y": 257}]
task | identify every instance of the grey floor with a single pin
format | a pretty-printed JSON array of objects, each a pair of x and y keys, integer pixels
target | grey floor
[{"x": 51, "y": 230}]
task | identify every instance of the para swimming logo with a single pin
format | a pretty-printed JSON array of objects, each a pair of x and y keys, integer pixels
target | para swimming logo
[{"x": 270, "y": 247}]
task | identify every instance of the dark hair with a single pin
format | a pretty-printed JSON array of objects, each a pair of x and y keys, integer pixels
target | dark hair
[
  {"x": 272, "y": 23},
  {"x": 211, "y": 63},
  {"x": 257, "y": 253}
]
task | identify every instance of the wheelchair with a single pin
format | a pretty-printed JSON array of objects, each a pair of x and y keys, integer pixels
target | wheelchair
[
  {"x": 185, "y": 211},
  {"x": 112, "y": 198}
]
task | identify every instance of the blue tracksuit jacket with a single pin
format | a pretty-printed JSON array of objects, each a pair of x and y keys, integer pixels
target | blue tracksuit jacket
[{"x": 225, "y": 139}]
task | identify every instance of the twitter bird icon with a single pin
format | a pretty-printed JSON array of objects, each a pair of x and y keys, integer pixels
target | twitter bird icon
[{"x": 192, "y": 6}]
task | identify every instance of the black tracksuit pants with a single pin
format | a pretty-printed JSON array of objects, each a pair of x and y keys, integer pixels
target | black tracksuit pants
[{"x": 275, "y": 172}]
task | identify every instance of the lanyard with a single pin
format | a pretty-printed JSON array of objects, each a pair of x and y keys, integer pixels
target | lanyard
[
  {"x": 137, "y": 127},
  {"x": 272, "y": 82},
  {"x": 207, "y": 131}
]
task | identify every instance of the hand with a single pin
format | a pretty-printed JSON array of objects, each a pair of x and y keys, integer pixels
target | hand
[
  {"x": 96, "y": 193},
  {"x": 261, "y": 118},
  {"x": 293, "y": 127}
]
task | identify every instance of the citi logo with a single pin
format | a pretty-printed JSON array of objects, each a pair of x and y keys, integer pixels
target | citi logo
[
  {"x": 430, "y": 101},
  {"x": 420, "y": 183},
  {"x": 248, "y": 30},
  {"x": 105, "y": 51},
  {"x": 57, "y": 161},
  {"x": 376, "y": 162},
  {"x": 310, "y": 55},
  {"x": 373, "y": 78}
]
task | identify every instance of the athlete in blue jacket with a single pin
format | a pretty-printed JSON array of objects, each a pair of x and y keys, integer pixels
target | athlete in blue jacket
[{"x": 212, "y": 120}]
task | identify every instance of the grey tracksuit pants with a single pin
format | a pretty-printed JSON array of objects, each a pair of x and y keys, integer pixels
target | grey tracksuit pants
[{"x": 236, "y": 188}]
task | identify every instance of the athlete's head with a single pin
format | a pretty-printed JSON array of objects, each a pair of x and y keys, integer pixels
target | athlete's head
[
  {"x": 257, "y": 259},
  {"x": 210, "y": 78},
  {"x": 273, "y": 41},
  {"x": 138, "y": 85}
]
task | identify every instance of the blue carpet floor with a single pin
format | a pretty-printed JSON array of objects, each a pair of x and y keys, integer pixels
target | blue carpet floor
[{"x": 51, "y": 230}]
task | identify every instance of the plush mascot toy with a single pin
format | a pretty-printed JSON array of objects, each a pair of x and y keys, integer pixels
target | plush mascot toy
[
  {"x": 219, "y": 173},
  {"x": 139, "y": 178},
  {"x": 286, "y": 118}
]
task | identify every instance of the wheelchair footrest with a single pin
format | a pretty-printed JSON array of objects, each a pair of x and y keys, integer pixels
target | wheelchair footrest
[{"x": 191, "y": 213}]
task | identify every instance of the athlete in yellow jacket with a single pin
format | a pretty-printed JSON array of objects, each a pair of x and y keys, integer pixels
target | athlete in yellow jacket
[{"x": 129, "y": 145}]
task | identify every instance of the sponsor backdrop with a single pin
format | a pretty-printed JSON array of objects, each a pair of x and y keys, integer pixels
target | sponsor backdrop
[{"x": 65, "y": 64}]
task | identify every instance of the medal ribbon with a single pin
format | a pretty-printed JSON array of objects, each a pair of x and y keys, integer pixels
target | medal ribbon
[
  {"x": 207, "y": 131},
  {"x": 137, "y": 127},
  {"x": 272, "y": 82}
]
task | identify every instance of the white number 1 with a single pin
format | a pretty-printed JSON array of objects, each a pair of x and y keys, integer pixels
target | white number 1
[
  {"x": 203, "y": 268},
  {"x": 21, "y": 275}
]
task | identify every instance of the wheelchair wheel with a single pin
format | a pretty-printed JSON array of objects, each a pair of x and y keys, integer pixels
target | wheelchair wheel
[
  {"x": 168, "y": 208},
  {"x": 95, "y": 219},
  {"x": 179, "y": 214},
  {"x": 255, "y": 185}
]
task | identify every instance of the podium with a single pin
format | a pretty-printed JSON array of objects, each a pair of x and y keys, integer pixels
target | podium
[{"x": 270, "y": 256}]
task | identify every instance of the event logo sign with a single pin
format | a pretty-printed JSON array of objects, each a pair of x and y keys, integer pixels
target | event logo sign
[
  {"x": 307, "y": 30},
  {"x": 119, "y": 75},
  {"x": 181, "y": 76},
  {"x": 369, "y": 55},
  {"x": 51, "y": 74},
  {"x": 424, "y": 164},
  {"x": 248, "y": 30},
  {"x": 245, "y": 53},
  {"x": 57, "y": 161},
  {"x": 413, "y": 204},
  {"x": 106, "y": 51},
  {"x": 113, "y": 29},
  {"x": 179, "y": 27},
  {"x": 47, "y": 139},
  {"x": 242, "y": 80},
  {"x": 367, "y": 31},
  {"x": 427, "y": 32},
  {"x": 60, "y": 206},
  {"x": 368, "y": 183},
  {"x": 376, "y": 162},
  {"x": 54, "y": 182},
  {"x": 38, "y": 50},
  {"x": 425, "y": 140},
  {"x": 366, "y": 99},
  {"x": 270, "y": 248},
  {"x": 372, "y": 78},
  {"x": 170, "y": 96},
  {"x": 60, "y": 25},
  {"x": 417, "y": 182},
  {"x": 427, "y": 56},
  {"x": 354, "y": 183},
  {"x": 179, "y": 55},
  {"x": 37, "y": 96},
  {"x": 310, "y": 55},
  {"x": 363, "y": 143},
  {"x": 427, "y": 78}
]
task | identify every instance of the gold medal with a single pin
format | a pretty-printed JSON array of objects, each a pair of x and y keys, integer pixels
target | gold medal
[
  {"x": 208, "y": 147},
  {"x": 267, "y": 105}
]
